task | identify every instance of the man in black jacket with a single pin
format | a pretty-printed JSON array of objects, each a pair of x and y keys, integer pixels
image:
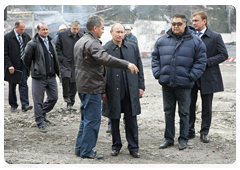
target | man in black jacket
[
  {"x": 123, "y": 90},
  {"x": 211, "y": 80},
  {"x": 41, "y": 59},
  {"x": 14, "y": 44},
  {"x": 65, "y": 44}
]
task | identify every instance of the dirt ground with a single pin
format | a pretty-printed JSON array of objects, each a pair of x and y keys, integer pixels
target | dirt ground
[{"x": 24, "y": 144}]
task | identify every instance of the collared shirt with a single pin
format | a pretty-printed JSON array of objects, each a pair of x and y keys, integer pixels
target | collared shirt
[
  {"x": 203, "y": 31},
  {"x": 46, "y": 42},
  {"x": 18, "y": 36}
]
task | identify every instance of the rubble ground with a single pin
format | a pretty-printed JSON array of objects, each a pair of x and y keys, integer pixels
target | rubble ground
[{"x": 24, "y": 144}]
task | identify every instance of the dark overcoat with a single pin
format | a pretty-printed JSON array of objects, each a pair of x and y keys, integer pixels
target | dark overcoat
[
  {"x": 12, "y": 49},
  {"x": 112, "y": 108},
  {"x": 211, "y": 80},
  {"x": 65, "y": 47}
]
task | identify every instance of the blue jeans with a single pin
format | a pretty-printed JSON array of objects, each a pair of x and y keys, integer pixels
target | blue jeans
[
  {"x": 89, "y": 124},
  {"x": 170, "y": 97}
]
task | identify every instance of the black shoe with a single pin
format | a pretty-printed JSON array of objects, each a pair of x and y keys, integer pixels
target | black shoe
[
  {"x": 165, "y": 145},
  {"x": 26, "y": 108},
  {"x": 182, "y": 146},
  {"x": 93, "y": 156},
  {"x": 204, "y": 138},
  {"x": 46, "y": 119},
  {"x": 13, "y": 110},
  {"x": 67, "y": 100},
  {"x": 70, "y": 107},
  {"x": 191, "y": 135},
  {"x": 115, "y": 152},
  {"x": 43, "y": 129},
  {"x": 135, "y": 154},
  {"x": 109, "y": 131}
]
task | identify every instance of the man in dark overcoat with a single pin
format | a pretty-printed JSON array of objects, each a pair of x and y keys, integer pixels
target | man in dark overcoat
[
  {"x": 14, "y": 44},
  {"x": 211, "y": 80},
  {"x": 123, "y": 90},
  {"x": 64, "y": 45}
]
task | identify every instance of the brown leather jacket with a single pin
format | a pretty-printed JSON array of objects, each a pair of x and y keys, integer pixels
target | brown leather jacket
[{"x": 90, "y": 60}]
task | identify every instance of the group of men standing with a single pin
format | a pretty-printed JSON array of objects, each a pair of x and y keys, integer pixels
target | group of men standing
[{"x": 113, "y": 73}]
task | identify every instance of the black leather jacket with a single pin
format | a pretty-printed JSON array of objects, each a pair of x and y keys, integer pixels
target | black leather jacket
[{"x": 34, "y": 58}]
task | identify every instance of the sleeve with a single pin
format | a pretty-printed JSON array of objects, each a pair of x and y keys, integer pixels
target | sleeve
[
  {"x": 200, "y": 59},
  {"x": 222, "y": 53},
  {"x": 102, "y": 57},
  {"x": 7, "y": 60},
  {"x": 140, "y": 73},
  {"x": 28, "y": 54},
  {"x": 156, "y": 62}
]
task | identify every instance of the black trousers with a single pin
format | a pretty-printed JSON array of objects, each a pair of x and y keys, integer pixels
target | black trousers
[
  {"x": 23, "y": 90},
  {"x": 131, "y": 128},
  {"x": 206, "y": 111},
  {"x": 69, "y": 89}
]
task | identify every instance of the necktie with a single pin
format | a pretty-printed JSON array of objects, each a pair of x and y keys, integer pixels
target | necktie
[
  {"x": 21, "y": 46},
  {"x": 46, "y": 44},
  {"x": 199, "y": 34}
]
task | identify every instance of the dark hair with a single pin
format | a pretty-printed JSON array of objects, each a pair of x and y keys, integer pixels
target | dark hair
[
  {"x": 202, "y": 14},
  {"x": 41, "y": 23},
  {"x": 18, "y": 23},
  {"x": 94, "y": 20},
  {"x": 179, "y": 15}
]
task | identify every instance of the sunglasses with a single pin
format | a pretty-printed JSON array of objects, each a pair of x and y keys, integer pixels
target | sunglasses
[{"x": 177, "y": 23}]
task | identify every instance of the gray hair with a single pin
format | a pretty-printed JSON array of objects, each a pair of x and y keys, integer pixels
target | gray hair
[
  {"x": 94, "y": 21},
  {"x": 75, "y": 22},
  {"x": 179, "y": 15}
]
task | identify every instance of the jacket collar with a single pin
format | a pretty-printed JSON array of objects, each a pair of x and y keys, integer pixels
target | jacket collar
[
  {"x": 93, "y": 35},
  {"x": 186, "y": 34},
  {"x": 12, "y": 33},
  {"x": 114, "y": 46},
  {"x": 207, "y": 32},
  {"x": 71, "y": 34}
]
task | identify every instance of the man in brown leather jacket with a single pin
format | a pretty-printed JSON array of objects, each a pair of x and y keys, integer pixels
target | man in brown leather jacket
[{"x": 90, "y": 60}]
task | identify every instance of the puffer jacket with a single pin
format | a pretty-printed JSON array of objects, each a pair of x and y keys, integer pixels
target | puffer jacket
[
  {"x": 178, "y": 63},
  {"x": 90, "y": 60},
  {"x": 34, "y": 58}
]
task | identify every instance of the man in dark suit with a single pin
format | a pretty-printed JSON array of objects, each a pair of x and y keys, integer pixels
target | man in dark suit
[
  {"x": 64, "y": 45},
  {"x": 123, "y": 90},
  {"x": 14, "y": 44},
  {"x": 211, "y": 80}
]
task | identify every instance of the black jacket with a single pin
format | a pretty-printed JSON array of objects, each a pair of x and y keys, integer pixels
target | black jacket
[
  {"x": 12, "y": 49},
  {"x": 65, "y": 47},
  {"x": 112, "y": 108},
  {"x": 211, "y": 80},
  {"x": 34, "y": 58}
]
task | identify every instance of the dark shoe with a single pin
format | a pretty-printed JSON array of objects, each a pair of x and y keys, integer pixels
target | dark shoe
[
  {"x": 109, "y": 131},
  {"x": 165, "y": 145},
  {"x": 182, "y": 146},
  {"x": 70, "y": 107},
  {"x": 115, "y": 152},
  {"x": 191, "y": 135},
  {"x": 93, "y": 156},
  {"x": 204, "y": 138},
  {"x": 43, "y": 129},
  {"x": 13, "y": 110},
  {"x": 47, "y": 120},
  {"x": 67, "y": 100},
  {"x": 78, "y": 154},
  {"x": 26, "y": 108},
  {"x": 135, "y": 154}
]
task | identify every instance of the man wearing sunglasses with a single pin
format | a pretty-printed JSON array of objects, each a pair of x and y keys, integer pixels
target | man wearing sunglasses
[
  {"x": 211, "y": 80},
  {"x": 178, "y": 60}
]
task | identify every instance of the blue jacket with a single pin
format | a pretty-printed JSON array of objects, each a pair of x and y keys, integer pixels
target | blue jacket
[
  {"x": 178, "y": 62},
  {"x": 132, "y": 37}
]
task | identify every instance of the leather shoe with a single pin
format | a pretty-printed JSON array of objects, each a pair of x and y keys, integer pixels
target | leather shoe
[
  {"x": 135, "y": 154},
  {"x": 13, "y": 110},
  {"x": 115, "y": 152},
  {"x": 182, "y": 146},
  {"x": 47, "y": 120},
  {"x": 204, "y": 138},
  {"x": 109, "y": 131},
  {"x": 165, "y": 144},
  {"x": 43, "y": 129},
  {"x": 93, "y": 156},
  {"x": 191, "y": 135},
  {"x": 26, "y": 108},
  {"x": 67, "y": 100}
]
